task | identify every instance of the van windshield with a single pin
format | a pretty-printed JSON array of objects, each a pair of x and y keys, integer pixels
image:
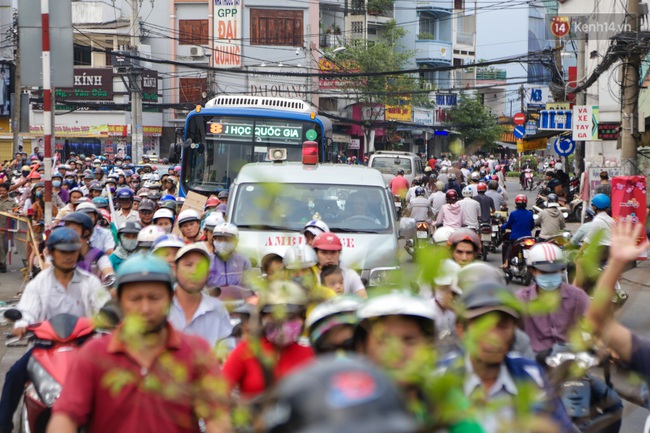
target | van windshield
[
  {"x": 290, "y": 206},
  {"x": 391, "y": 164}
]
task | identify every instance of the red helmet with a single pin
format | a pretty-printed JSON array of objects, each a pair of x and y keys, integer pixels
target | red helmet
[
  {"x": 481, "y": 187},
  {"x": 464, "y": 235},
  {"x": 521, "y": 198},
  {"x": 211, "y": 202},
  {"x": 451, "y": 196},
  {"x": 327, "y": 242},
  {"x": 495, "y": 177}
]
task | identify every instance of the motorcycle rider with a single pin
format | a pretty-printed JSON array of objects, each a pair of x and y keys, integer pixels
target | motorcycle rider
[
  {"x": 328, "y": 249},
  {"x": 330, "y": 325},
  {"x": 314, "y": 228},
  {"x": 550, "y": 219},
  {"x": 193, "y": 311},
  {"x": 189, "y": 223},
  {"x": 61, "y": 288},
  {"x": 127, "y": 236},
  {"x": 91, "y": 259},
  {"x": 399, "y": 185},
  {"x": 146, "y": 210},
  {"x": 101, "y": 238},
  {"x": 437, "y": 199},
  {"x": 452, "y": 184},
  {"x": 410, "y": 194},
  {"x": 451, "y": 214},
  {"x": 471, "y": 207},
  {"x": 443, "y": 175},
  {"x": 495, "y": 195},
  {"x": 212, "y": 220},
  {"x": 552, "y": 183},
  {"x": 487, "y": 204},
  {"x": 164, "y": 218},
  {"x": 144, "y": 347},
  {"x": 228, "y": 267},
  {"x": 520, "y": 222},
  {"x": 419, "y": 207},
  {"x": 602, "y": 222},
  {"x": 464, "y": 246}
]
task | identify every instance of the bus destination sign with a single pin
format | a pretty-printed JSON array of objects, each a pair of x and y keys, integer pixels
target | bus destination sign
[{"x": 262, "y": 132}]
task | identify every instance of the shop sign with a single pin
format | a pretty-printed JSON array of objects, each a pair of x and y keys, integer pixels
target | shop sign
[
  {"x": 152, "y": 131},
  {"x": 227, "y": 33},
  {"x": 277, "y": 83},
  {"x": 89, "y": 84},
  {"x": 117, "y": 130},
  {"x": 95, "y": 131},
  {"x": 150, "y": 86},
  {"x": 423, "y": 117},
  {"x": 400, "y": 112},
  {"x": 609, "y": 131},
  {"x": 355, "y": 144}
]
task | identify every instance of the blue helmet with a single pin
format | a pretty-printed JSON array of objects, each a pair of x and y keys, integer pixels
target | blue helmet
[
  {"x": 168, "y": 197},
  {"x": 80, "y": 218},
  {"x": 63, "y": 239},
  {"x": 100, "y": 202},
  {"x": 124, "y": 194},
  {"x": 601, "y": 202},
  {"x": 144, "y": 268}
]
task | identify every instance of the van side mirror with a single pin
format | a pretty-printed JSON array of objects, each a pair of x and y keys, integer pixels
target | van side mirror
[{"x": 407, "y": 228}]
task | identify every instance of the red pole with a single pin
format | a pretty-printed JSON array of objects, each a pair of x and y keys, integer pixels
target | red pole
[{"x": 47, "y": 112}]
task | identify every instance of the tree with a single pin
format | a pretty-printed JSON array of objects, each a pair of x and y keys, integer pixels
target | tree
[
  {"x": 474, "y": 122},
  {"x": 377, "y": 90}
]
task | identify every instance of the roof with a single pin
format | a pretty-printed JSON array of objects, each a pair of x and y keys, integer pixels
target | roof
[{"x": 296, "y": 172}]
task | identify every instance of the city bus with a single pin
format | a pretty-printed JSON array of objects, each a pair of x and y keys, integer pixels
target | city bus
[{"x": 234, "y": 130}]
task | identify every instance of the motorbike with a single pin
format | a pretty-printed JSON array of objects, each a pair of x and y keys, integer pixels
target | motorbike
[
  {"x": 528, "y": 179},
  {"x": 399, "y": 206},
  {"x": 421, "y": 240},
  {"x": 517, "y": 269},
  {"x": 487, "y": 245},
  {"x": 498, "y": 219},
  {"x": 56, "y": 343},
  {"x": 592, "y": 403}
]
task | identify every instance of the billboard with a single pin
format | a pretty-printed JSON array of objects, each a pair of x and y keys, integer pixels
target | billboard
[{"x": 227, "y": 33}]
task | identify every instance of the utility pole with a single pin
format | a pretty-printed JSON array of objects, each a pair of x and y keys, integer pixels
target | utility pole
[
  {"x": 47, "y": 112},
  {"x": 581, "y": 99},
  {"x": 135, "y": 80},
  {"x": 629, "y": 134}
]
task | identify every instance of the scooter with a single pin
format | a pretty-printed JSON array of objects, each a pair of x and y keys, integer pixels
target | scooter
[
  {"x": 57, "y": 342},
  {"x": 398, "y": 206},
  {"x": 517, "y": 269},
  {"x": 528, "y": 179},
  {"x": 487, "y": 244},
  {"x": 422, "y": 238}
]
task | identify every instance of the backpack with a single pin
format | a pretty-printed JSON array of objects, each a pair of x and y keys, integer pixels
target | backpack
[{"x": 89, "y": 262}]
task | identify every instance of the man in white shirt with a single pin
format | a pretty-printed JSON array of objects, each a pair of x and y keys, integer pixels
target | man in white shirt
[
  {"x": 602, "y": 222},
  {"x": 438, "y": 199},
  {"x": 61, "y": 288},
  {"x": 193, "y": 311},
  {"x": 472, "y": 209}
]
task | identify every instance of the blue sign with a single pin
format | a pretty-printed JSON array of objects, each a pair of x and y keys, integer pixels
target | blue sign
[
  {"x": 519, "y": 132},
  {"x": 558, "y": 120},
  {"x": 564, "y": 146}
]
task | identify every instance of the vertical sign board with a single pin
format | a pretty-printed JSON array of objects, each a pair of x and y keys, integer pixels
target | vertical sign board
[
  {"x": 629, "y": 201},
  {"x": 585, "y": 123},
  {"x": 227, "y": 33}
]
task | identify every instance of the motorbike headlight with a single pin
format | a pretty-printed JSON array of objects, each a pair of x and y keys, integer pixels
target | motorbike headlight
[
  {"x": 382, "y": 276},
  {"x": 47, "y": 387}
]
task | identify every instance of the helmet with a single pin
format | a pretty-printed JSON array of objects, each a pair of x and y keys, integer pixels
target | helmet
[
  {"x": 521, "y": 198},
  {"x": 440, "y": 186},
  {"x": 57, "y": 174},
  {"x": 493, "y": 184},
  {"x": 225, "y": 229},
  {"x": 186, "y": 216},
  {"x": 428, "y": 169},
  {"x": 211, "y": 202},
  {"x": 486, "y": 297},
  {"x": 451, "y": 196},
  {"x": 467, "y": 192},
  {"x": 494, "y": 177},
  {"x": 444, "y": 169},
  {"x": 80, "y": 218},
  {"x": 149, "y": 235},
  {"x": 100, "y": 202},
  {"x": 170, "y": 205},
  {"x": 451, "y": 176},
  {"x": 163, "y": 213},
  {"x": 327, "y": 242},
  {"x": 497, "y": 167},
  {"x": 475, "y": 272},
  {"x": 601, "y": 202},
  {"x": 212, "y": 220},
  {"x": 481, "y": 187},
  {"x": 300, "y": 257},
  {"x": 287, "y": 294},
  {"x": 343, "y": 306},
  {"x": 448, "y": 274},
  {"x": 63, "y": 239},
  {"x": 419, "y": 191},
  {"x": 168, "y": 241},
  {"x": 552, "y": 198},
  {"x": 316, "y": 227},
  {"x": 441, "y": 235},
  {"x": 222, "y": 194},
  {"x": 546, "y": 257},
  {"x": 464, "y": 235},
  {"x": 475, "y": 176},
  {"x": 177, "y": 168},
  {"x": 558, "y": 166},
  {"x": 129, "y": 227},
  {"x": 87, "y": 207},
  {"x": 144, "y": 267},
  {"x": 335, "y": 394},
  {"x": 397, "y": 304},
  {"x": 168, "y": 197}
]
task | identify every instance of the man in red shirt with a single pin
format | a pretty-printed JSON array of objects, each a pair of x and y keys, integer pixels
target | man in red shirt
[
  {"x": 145, "y": 377},
  {"x": 399, "y": 184}
]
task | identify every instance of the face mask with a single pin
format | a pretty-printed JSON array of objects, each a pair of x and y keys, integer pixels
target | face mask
[
  {"x": 56, "y": 183},
  {"x": 25, "y": 173},
  {"x": 119, "y": 164},
  {"x": 129, "y": 244},
  {"x": 223, "y": 248},
  {"x": 39, "y": 193},
  {"x": 549, "y": 282},
  {"x": 136, "y": 185},
  {"x": 167, "y": 230},
  {"x": 284, "y": 334}
]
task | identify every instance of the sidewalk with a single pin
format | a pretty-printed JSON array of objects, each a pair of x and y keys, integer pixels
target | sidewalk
[{"x": 639, "y": 275}]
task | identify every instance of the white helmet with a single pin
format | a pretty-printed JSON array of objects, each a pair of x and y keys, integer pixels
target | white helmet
[
  {"x": 212, "y": 220},
  {"x": 188, "y": 215},
  {"x": 149, "y": 235},
  {"x": 331, "y": 307},
  {"x": 154, "y": 184},
  {"x": 145, "y": 177},
  {"x": 448, "y": 274},
  {"x": 227, "y": 230},
  {"x": 300, "y": 257},
  {"x": 395, "y": 304},
  {"x": 441, "y": 235},
  {"x": 477, "y": 272},
  {"x": 546, "y": 257},
  {"x": 163, "y": 213},
  {"x": 467, "y": 192},
  {"x": 87, "y": 207},
  {"x": 444, "y": 169},
  {"x": 168, "y": 241},
  {"x": 558, "y": 166},
  {"x": 316, "y": 227}
]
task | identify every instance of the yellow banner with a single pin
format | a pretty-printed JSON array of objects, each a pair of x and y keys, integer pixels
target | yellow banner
[
  {"x": 402, "y": 112},
  {"x": 528, "y": 146}
]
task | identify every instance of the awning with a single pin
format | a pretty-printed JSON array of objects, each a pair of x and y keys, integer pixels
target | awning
[{"x": 341, "y": 138}]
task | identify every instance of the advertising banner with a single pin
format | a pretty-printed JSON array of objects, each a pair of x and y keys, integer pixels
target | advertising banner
[
  {"x": 629, "y": 200},
  {"x": 401, "y": 112},
  {"x": 227, "y": 33}
]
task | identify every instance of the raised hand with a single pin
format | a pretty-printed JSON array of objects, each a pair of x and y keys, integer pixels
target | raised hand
[{"x": 624, "y": 238}]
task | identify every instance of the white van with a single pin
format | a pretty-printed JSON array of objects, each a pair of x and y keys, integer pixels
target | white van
[
  {"x": 271, "y": 203},
  {"x": 389, "y": 162}
]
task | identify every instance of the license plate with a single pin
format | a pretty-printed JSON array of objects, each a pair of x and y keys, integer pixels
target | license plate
[
  {"x": 525, "y": 252},
  {"x": 422, "y": 235},
  {"x": 495, "y": 229},
  {"x": 486, "y": 236}
]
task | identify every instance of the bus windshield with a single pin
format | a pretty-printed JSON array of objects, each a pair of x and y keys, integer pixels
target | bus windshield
[
  {"x": 230, "y": 142},
  {"x": 345, "y": 208}
]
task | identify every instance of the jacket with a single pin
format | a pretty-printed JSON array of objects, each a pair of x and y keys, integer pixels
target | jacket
[
  {"x": 521, "y": 224},
  {"x": 551, "y": 222},
  {"x": 420, "y": 209},
  {"x": 472, "y": 211},
  {"x": 451, "y": 215}
]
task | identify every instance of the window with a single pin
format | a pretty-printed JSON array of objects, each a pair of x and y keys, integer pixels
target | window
[
  {"x": 82, "y": 55},
  {"x": 428, "y": 27},
  {"x": 193, "y": 32},
  {"x": 276, "y": 27},
  {"x": 357, "y": 27},
  {"x": 459, "y": 4},
  {"x": 190, "y": 90}
]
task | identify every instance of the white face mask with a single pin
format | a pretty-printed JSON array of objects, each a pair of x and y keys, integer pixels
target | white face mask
[
  {"x": 223, "y": 248},
  {"x": 129, "y": 244}
]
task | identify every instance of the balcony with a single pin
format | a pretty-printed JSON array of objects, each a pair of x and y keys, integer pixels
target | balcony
[
  {"x": 435, "y": 6},
  {"x": 433, "y": 52}
]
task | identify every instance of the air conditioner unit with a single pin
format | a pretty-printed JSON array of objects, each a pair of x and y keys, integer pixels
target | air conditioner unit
[{"x": 197, "y": 52}]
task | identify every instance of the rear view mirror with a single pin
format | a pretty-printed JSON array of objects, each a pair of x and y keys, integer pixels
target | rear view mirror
[{"x": 407, "y": 228}]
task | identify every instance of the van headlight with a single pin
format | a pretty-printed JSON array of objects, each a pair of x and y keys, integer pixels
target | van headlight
[{"x": 383, "y": 276}]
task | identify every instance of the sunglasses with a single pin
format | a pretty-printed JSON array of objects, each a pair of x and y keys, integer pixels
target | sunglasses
[{"x": 346, "y": 346}]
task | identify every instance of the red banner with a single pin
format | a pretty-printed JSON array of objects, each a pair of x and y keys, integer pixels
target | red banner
[{"x": 629, "y": 199}]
